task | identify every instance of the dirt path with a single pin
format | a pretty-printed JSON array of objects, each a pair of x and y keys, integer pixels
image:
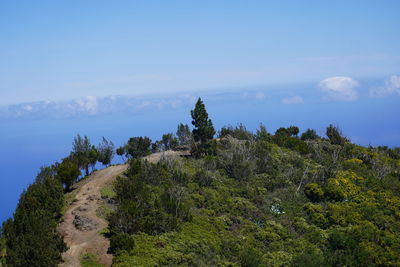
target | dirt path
[
  {"x": 87, "y": 239},
  {"x": 85, "y": 205}
]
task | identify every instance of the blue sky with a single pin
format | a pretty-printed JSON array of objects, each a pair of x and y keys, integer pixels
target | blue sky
[{"x": 58, "y": 50}]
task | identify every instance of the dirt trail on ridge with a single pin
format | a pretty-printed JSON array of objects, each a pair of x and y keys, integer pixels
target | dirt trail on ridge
[
  {"x": 88, "y": 239},
  {"x": 86, "y": 202}
]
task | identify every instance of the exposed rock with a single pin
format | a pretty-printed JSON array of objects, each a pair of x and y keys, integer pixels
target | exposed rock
[
  {"x": 84, "y": 223},
  {"x": 79, "y": 209},
  {"x": 111, "y": 201},
  {"x": 92, "y": 197}
]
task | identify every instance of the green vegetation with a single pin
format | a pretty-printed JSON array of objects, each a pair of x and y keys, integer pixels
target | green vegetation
[
  {"x": 68, "y": 173},
  {"x": 136, "y": 147},
  {"x": 84, "y": 154},
  {"x": 262, "y": 200},
  {"x": 107, "y": 192},
  {"x": 105, "y": 151},
  {"x": 2, "y": 248},
  {"x": 244, "y": 199},
  {"x": 31, "y": 236},
  {"x": 184, "y": 135},
  {"x": 90, "y": 260},
  {"x": 203, "y": 131}
]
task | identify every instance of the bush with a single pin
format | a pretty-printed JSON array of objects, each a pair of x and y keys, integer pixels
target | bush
[
  {"x": 239, "y": 132},
  {"x": 121, "y": 241},
  {"x": 309, "y": 134},
  {"x": 203, "y": 178},
  {"x": 335, "y": 135},
  {"x": 237, "y": 159},
  {"x": 250, "y": 257},
  {"x": 314, "y": 192}
]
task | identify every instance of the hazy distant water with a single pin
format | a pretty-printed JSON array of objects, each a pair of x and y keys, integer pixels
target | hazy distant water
[{"x": 27, "y": 145}]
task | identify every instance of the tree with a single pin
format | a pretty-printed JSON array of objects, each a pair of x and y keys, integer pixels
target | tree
[
  {"x": 121, "y": 151},
  {"x": 309, "y": 134},
  {"x": 262, "y": 133},
  {"x": 46, "y": 172},
  {"x": 169, "y": 141},
  {"x": 83, "y": 153},
  {"x": 93, "y": 157},
  {"x": 183, "y": 133},
  {"x": 293, "y": 130},
  {"x": 106, "y": 151},
  {"x": 68, "y": 172},
  {"x": 204, "y": 129},
  {"x": 138, "y": 147},
  {"x": 32, "y": 236},
  {"x": 335, "y": 135}
]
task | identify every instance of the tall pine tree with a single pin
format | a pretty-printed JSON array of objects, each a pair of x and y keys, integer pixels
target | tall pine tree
[{"x": 203, "y": 131}]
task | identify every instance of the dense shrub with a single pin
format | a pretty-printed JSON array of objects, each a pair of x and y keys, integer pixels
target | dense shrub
[
  {"x": 314, "y": 192},
  {"x": 239, "y": 132},
  {"x": 32, "y": 238},
  {"x": 309, "y": 134},
  {"x": 120, "y": 242},
  {"x": 204, "y": 178},
  {"x": 237, "y": 159}
]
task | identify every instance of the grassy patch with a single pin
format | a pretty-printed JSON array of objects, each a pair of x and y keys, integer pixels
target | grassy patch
[
  {"x": 105, "y": 232},
  {"x": 90, "y": 260},
  {"x": 103, "y": 212},
  {"x": 107, "y": 192}
]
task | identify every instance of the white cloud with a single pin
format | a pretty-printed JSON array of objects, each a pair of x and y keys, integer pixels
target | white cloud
[
  {"x": 293, "y": 100},
  {"x": 392, "y": 86},
  {"x": 88, "y": 104},
  {"x": 339, "y": 88}
]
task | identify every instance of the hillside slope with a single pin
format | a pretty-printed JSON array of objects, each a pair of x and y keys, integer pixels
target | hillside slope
[
  {"x": 85, "y": 204},
  {"x": 261, "y": 201},
  {"x": 82, "y": 226}
]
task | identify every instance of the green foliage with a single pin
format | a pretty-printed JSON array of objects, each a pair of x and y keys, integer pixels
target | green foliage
[
  {"x": 106, "y": 151},
  {"x": 184, "y": 134},
  {"x": 83, "y": 154},
  {"x": 149, "y": 200},
  {"x": 309, "y": 134},
  {"x": 138, "y": 147},
  {"x": 32, "y": 238},
  {"x": 246, "y": 200},
  {"x": 107, "y": 192},
  {"x": 120, "y": 151},
  {"x": 239, "y": 132},
  {"x": 314, "y": 192},
  {"x": 250, "y": 257},
  {"x": 203, "y": 130},
  {"x": 68, "y": 172},
  {"x": 120, "y": 242},
  {"x": 287, "y": 137},
  {"x": 204, "y": 178},
  {"x": 249, "y": 205},
  {"x": 90, "y": 260},
  {"x": 262, "y": 133},
  {"x": 335, "y": 135},
  {"x": 237, "y": 158},
  {"x": 3, "y": 250},
  {"x": 169, "y": 141}
]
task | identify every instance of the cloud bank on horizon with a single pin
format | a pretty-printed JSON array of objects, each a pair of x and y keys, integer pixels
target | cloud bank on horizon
[{"x": 334, "y": 89}]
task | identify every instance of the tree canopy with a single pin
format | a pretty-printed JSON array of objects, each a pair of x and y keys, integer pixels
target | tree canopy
[{"x": 203, "y": 131}]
